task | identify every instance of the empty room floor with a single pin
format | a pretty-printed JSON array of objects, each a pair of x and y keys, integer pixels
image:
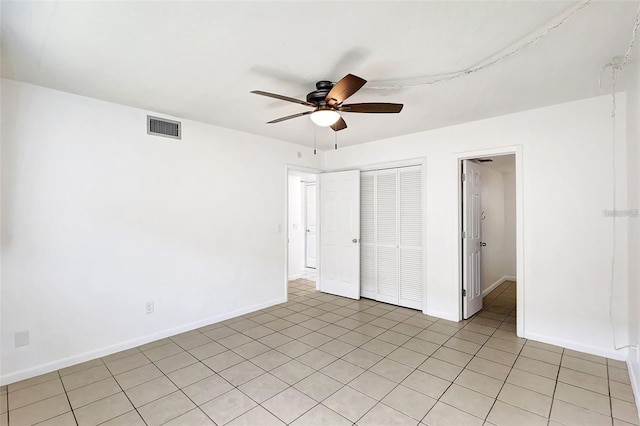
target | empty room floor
[{"x": 324, "y": 360}]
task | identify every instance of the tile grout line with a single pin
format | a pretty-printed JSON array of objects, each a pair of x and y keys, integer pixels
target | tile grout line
[
  {"x": 555, "y": 386},
  {"x": 464, "y": 368},
  {"x": 510, "y": 368},
  {"x": 122, "y": 390},
  {"x": 66, "y": 394}
]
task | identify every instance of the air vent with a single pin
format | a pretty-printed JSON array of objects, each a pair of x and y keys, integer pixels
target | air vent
[{"x": 163, "y": 127}]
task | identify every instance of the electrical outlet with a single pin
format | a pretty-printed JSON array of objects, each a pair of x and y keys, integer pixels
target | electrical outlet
[
  {"x": 22, "y": 338},
  {"x": 149, "y": 308}
]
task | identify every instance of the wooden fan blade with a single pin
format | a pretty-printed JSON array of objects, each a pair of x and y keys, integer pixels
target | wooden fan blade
[
  {"x": 346, "y": 87},
  {"x": 339, "y": 125},
  {"x": 289, "y": 117},
  {"x": 375, "y": 108},
  {"x": 282, "y": 98}
]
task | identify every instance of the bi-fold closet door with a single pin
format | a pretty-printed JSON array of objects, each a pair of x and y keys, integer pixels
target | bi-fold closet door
[{"x": 391, "y": 236}]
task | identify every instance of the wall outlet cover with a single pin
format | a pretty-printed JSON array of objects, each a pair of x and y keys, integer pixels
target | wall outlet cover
[{"x": 22, "y": 338}]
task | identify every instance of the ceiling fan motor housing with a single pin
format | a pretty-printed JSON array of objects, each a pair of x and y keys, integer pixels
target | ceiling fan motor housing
[{"x": 318, "y": 96}]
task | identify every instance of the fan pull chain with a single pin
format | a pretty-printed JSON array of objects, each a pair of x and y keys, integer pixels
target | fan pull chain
[
  {"x": 335, "y": 140},
  {"x": 314, "y": 140}
]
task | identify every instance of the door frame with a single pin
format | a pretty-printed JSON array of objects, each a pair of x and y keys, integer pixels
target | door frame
[
  {"x": 520, "y": 284},
  {"x": 293, "y": 168}
]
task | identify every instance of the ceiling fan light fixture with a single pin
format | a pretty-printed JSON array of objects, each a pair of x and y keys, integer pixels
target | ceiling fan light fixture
[{"x": 325, "y": 117}]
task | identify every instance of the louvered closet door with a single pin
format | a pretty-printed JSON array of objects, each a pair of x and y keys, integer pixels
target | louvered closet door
[
  {"x": 367, "y": 235},
  {"x": 410, "y": 246},
  {"x": 386, "y": 226}
]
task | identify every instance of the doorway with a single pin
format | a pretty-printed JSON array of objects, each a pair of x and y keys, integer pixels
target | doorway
[
  {"x": 301, "y": 273},
  {"x": 490, "y": 231}
]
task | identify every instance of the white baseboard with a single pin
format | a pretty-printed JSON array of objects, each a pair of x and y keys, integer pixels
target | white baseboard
[
  {"x": 439, "y": 314},
  {"x": 111, "y": 349},
  {"x": 294, "y": 277},
  {"x": 633, "y": 365},
  {"x": 497, "y": 283},
  {"x": 576, "y": 346}
]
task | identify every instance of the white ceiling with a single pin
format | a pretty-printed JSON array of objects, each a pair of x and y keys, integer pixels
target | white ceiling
[{"x": 199, "y": 60}]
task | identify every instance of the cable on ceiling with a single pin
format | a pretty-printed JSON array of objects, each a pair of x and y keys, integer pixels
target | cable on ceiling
[{"x": 440, "y": 78}]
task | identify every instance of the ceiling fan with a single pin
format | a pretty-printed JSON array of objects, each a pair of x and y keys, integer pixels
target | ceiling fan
[{"x": 327, "y": 103}]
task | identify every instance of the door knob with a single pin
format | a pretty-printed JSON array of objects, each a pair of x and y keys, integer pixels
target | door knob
[
  {"x": 355, "y": 240},
  {"x": 483, "y": 244}
]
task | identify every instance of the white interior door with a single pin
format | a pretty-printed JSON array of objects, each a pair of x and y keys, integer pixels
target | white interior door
[
  {"x": 471, "y": 239},
  {"x": 340, "y": 233},
  {"x": 310, "y": 220}
]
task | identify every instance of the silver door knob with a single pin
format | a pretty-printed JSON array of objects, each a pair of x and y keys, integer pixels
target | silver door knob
[
  {"x": 483, "y": 244},
  {"x": 355, "y": 240}
]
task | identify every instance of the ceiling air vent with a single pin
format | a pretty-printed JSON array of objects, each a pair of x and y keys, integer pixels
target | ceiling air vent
[{"x": 163, "y": 127}]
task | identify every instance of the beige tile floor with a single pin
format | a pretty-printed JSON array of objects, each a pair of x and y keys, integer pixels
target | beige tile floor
[{"x": 325, "y": 360}]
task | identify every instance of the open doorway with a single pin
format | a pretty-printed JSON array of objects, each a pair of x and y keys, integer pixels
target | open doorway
[
  {"x": 301, "y": 232},
  {"x": 488, "y": 235}
]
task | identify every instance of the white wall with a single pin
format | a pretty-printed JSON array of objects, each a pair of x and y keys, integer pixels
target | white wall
[
  {"x": 632, "y": 77},
  {"x": 99, "y": 218},
  {"x": 498, "y": 193},
  {"x": 509, "y": 224},
  {"x": 493, "y": 228},
  {"x": 296, "y": 228},
  {"x": 567, "y": 244}
]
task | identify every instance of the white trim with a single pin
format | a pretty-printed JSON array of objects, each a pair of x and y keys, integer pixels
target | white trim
[
  {"x": 457, "y": 158},
  {"x": 419, "y": 161},
  {"x": 108, "y": 350},
  {"x": 497, "y": 283},
  {"x": 440, "y": 314},
  {"x": 294, "y": 277},
  {"x": 425, "y": 259},
  {"x": 568, "y": 344},
  {"x": 633, "y": 365}
]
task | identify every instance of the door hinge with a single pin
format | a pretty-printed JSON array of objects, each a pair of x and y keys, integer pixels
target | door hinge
[
  {"x": 464, "y": 293},
  {"x": 464, "y": 234},
  {"x": 464, "y": 177}
]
